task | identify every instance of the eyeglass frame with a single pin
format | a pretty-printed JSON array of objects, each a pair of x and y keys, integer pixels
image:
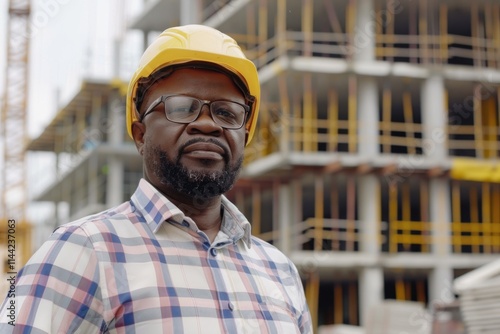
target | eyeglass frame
[{"x": 163, "y": 98}]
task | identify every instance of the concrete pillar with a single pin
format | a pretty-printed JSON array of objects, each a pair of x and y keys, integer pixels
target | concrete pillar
[
  {"x": 115, "y": 125},
  {"x": 368, "y": 117},
  {"x": 368, "y": 194},
  {"x": 190, "y": 12},
  {"x": 92, "y": 184},
  {"x": 114, "y": 186},
  {"x": 297, "y": 213},
  {"x": 371, "y": 283},
  {"x": 371, "y": 291},
  {"x": 363, "y": 47},
  {"x": 440, "y": 216},
  {"x": 434, "y": 117},
  {"x": 145, "y": 40},
  {"x": 285, "y": 219},
  {"x": 440, "y": 279},
  {"x": 441, "y": 284}
]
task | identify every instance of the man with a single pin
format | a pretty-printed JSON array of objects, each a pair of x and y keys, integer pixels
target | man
[{"x": 178, "y": 257}]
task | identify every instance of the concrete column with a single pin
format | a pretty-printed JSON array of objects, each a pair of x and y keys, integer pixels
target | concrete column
[
  {"x": 371, "y": 283},
  {"x": 441, "y": 284},
  {"x": 66, "y": 208},
  {"x": 364, "y": 33},
  {"x": 190, "y": 11},
  {"x": 371, "y": 291},
  {"x": 368, "y": 117},
  {"x": 440, "y": 279},
  {"x": 114, "y": 187},
  {"x": 368, "y": 194},
  {"x": 285, "y": 219},
  {"x": 297, "y": 213},
  {"x": 145, "y": 40},
  {"x": 92, "y": 184},
  {"x": 440, "y": 216},
  {"x": 116, "y": 121},
  {"x": 434, "y": 118}
]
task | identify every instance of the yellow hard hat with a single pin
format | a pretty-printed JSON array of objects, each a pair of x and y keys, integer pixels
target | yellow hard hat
[{"x": 196, "y": 43}]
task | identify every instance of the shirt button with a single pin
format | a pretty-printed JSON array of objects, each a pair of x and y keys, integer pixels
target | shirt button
[
  {"x": 213, "y": 251},
  {"x": 231, "y": 306}
]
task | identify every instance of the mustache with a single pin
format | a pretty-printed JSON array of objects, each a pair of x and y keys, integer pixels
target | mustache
[{"x": 201, "y": 140}]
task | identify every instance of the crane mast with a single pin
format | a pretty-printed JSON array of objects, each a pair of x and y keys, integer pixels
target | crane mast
[{"x": 14, "y": 111}]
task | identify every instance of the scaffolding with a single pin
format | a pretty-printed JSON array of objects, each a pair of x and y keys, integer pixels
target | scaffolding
[{"x": 311, "y": 110}]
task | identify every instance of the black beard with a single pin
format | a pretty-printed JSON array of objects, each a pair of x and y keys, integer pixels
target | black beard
[{"x": 198, "y": 185}]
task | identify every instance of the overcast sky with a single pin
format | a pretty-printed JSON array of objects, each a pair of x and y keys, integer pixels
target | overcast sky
[{"x": 70, "y": 40}]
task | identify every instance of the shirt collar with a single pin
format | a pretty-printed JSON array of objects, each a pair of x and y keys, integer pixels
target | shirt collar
[
  {"x": 156, "y": 209},
  {"x": 235, "y": 223}
]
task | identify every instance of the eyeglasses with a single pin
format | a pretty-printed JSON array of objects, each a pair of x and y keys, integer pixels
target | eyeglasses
[{"x": 186, "y": 109}]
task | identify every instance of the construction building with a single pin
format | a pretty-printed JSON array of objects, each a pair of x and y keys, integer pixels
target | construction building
[{"x": 375, "y": 165}]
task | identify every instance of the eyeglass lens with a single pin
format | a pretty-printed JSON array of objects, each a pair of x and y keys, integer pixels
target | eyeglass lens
[{"x": 185, "y": 109}]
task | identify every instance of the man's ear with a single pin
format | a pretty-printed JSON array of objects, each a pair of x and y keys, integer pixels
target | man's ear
[
  {"x": 246, "y": 136},
  {"x": 138, "y": 131}
]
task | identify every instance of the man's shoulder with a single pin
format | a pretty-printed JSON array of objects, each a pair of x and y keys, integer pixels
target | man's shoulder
[
  {"x": 108, "y": 221},
  {"x": 271, "y": 253},
  {"x": 258, "y": 242}
]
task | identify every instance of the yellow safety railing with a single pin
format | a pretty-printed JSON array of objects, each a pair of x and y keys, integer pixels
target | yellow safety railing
[
  {"x": 430, "y": 38},
  {"x": 466, "y": 137},
  {"x": 476, "y": 217},
  {"x": 437, "y": 48},
  {"x": 409, "y": 138},
  {"x": 329, "y": 234},
  {"x": 405, "y": 234},
  {"x": 323, "y": 136},
  {"x": 476, "y": 237},
  {"x": 422, "y": 48}
]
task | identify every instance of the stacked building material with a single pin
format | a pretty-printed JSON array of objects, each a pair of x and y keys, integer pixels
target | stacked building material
[
  {"x": 479, "y": 292},
  {"x": 395, "y": 317}
]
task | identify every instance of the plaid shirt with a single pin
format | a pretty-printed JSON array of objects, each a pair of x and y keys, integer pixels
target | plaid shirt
[{"x": 144, "y": 267}]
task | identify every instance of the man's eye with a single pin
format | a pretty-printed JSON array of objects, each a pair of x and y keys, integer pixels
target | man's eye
[
  {"x": 225, "y": 113},
  {"x": 183, "y": 110}
]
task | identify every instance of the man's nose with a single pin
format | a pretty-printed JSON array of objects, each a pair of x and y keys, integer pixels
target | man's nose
[{"x": 205, "y": 123}]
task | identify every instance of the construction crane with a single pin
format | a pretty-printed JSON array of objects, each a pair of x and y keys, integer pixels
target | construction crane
[
  {"x": 15, "y": 232},
  {"x": 14, "y": 111}
]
